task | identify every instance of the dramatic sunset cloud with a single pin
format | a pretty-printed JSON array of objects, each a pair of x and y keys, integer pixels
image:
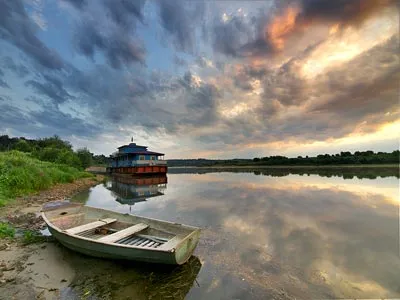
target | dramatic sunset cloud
[{"x": 200, "y": 78}]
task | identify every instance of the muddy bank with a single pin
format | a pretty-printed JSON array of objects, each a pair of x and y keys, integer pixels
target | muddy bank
[
  {"x": 51, "y": 271},
  {"x": 33, "y": 271}
]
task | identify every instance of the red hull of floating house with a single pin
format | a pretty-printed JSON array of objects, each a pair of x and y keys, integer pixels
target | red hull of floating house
[
  {"x": 133, "y": 159},
  {"x": 141, "y": 180}
]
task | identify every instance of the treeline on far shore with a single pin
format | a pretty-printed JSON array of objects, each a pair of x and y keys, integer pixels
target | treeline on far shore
[
  {"x": 342, "y": 158},
  {"x": 360, "y": 172},
  {"x": 52, "y": 149}
]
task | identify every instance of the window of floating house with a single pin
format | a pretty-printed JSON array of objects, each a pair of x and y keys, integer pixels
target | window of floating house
[
  {"x": 141, "y": 157},
  {"x": 152, "y": 157}
]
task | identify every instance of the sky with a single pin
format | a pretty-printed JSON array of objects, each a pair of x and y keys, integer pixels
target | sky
[{"x": 209, "y": 79}]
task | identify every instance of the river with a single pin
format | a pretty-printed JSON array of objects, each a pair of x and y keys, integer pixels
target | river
[{"x": 273, "y": 235}]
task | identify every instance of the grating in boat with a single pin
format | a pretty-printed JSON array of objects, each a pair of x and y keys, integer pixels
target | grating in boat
[
  {"x": 142, "y": 241},
  {"x": 93, "y": 234}
]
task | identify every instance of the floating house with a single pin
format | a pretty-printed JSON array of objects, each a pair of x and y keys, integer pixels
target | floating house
[{"x": 137, "y": 160}]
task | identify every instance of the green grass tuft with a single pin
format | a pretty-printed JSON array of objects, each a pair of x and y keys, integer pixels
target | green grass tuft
[
  {"x": 21, "y": 174},
  {"x": 31, "y": 237},
  {"x": 6, "y": 230}
]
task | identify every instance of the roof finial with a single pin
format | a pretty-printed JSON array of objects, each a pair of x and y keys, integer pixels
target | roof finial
[{"x": 131, "y": 139}]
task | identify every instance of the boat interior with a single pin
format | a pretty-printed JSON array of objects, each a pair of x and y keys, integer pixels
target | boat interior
[{"x": 115, "y": 228}]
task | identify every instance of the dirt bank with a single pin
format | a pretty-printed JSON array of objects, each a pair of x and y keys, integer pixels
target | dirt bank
[{"x": 35, "y": 271}]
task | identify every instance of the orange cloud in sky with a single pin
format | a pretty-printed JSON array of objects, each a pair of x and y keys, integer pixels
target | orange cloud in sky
[
  {"x": 299, "y": 16},
  {"x": 282, "y": 26},
  {"x": 341, "y": 47}
]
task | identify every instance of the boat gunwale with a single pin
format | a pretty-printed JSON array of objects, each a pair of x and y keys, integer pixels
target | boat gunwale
[{"x": 194, "y": 231}]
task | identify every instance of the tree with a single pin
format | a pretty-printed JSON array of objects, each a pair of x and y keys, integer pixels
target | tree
[
  {"x": 70, "y": 158},
  {"x": 85, "y": 156},
  {"x": 23, "y": 146},
  {"x": 55, "y": 142}
]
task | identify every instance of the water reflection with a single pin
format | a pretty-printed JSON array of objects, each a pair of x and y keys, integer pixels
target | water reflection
[
  {"x": 308, "y": 237},
  {"x": 131, "y": 190},
  {"x": 122, "y": 193},
  {"x": 101, "y": 279}
]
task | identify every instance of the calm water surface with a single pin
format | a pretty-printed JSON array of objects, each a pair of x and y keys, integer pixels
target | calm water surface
[{"x": 286, "y": 237}]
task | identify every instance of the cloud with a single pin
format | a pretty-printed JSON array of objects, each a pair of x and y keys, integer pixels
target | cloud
[
  {"x": 37, "y": 14},
  {"x": 17, "y": 28},
  {"x": 232, "y": 33},
  {"x": 180, "y": 62},
  {"x": 53, "y": 121},
  {"x": 124, "y": 13},
  {"x": 342, "y": 101},
  {"x": 181, "y": 19},
  {"x": 118, "y": 47},
  {"x": 154, "y": 102},
  {"x": 370, "y": 86},
  {"x": 242, "y": 74},
  {"x": 4, "y": 84},
  {"x": 19, "y": 69},
  {"x": 76, "y": 3},
  {"x": 342, "y": 11},
  {"x": 46, "y": 122},
  {"x": 291, "y": 18},
  {"x": 267, "y": 32},
  {"x": 52, "y": 88},
  {"x": 108, "y": 27},
  {"x": 13, "y": 117}
]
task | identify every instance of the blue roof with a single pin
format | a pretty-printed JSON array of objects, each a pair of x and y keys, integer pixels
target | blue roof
[
  {"x": 132, "y": 145},
  {"x": 143, "y": 152},
  {"x": 132, "y": 148}
]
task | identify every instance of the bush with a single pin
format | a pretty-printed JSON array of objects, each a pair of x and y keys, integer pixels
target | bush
[{"x": 22, "y": 174}]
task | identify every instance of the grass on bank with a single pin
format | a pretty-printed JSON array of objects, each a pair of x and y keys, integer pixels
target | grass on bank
[
  {"x": 21, "y": 174},
  {"x": 27, "y": 237},
  {"x": 6, "y": 230}
]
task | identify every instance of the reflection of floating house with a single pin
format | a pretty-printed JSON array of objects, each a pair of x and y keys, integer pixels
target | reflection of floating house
[
  {"x": 134, "y": 159},
  {"x": 137, "y": 189}
]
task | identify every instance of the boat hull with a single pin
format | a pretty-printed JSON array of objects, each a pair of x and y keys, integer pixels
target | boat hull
[
  {"x": 138, "y": 170},
  {"x": 178, "y": 255},
  {"x": 91, "y": 248}
]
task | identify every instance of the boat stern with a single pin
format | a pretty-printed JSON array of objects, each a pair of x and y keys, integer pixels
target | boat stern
[{"x": 185, "y": 249}]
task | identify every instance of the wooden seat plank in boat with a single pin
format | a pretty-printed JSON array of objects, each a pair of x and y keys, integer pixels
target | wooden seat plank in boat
[
  {"x": 112, "y": 238},
  {"x": 171, "y": 243},
  {"x": 89, "y": 226}
]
